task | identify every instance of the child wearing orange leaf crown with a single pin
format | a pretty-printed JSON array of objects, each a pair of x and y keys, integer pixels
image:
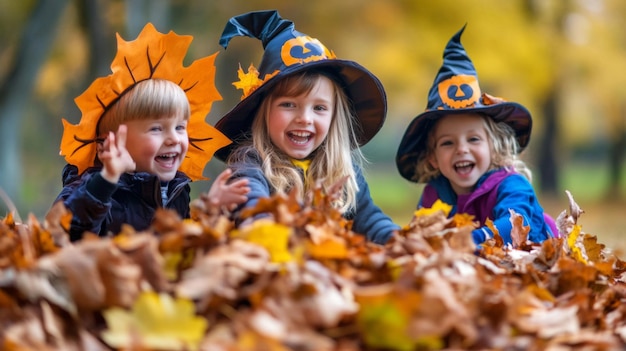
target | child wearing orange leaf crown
[
  {"x": 142, "y": 138},
  {"x": 301, "y": 121},
  {"x": 465, "y": 147}
]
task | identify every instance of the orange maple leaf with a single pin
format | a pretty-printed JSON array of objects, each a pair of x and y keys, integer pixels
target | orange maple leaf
[
  {"x": 463, "y": 219},
  {"x": 152, "y": 55},
  {"x": 330, "y": 248}
]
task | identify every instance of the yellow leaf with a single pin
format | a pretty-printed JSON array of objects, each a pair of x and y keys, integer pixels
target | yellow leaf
[
  {"x": 156, "y": 321},
  {"x": 274, "y": 237},
  {"x": 576, "y": 249},
  {"x": 437, "y": 206},
  {"x": 384, "y": 319},
  {"x": 248, "y": 82}
]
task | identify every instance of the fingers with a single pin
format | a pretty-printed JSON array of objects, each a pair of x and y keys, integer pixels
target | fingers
[
  {"x": 110, "y": 144},
  {"x": 240, "y": 186},
  {"x": 223, "y": 177},
  {"x": 122, "y": 133}
]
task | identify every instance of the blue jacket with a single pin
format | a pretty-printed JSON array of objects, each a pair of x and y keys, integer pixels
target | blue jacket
[
  {"x": 368, "y": 219},
  {"x": 101, "y": 207},
  {"x": 495, "y": 193}
]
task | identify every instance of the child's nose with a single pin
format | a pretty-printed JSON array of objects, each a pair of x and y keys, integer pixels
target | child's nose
[
  {"x": 305, "y": 117},
  {"x": 174, "y": 138},
  {"x": 462, "y": 147}
]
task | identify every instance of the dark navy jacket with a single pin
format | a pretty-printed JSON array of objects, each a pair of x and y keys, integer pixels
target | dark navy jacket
[
  {"x": 101, "y": 207},
  {"x": 368, "y": 219},
  {"x": 496, "y": 193}
]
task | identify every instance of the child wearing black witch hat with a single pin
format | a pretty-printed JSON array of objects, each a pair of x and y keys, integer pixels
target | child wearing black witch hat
[
  {"x": 465, "y": 147},
  {"x": 303, "y": 116}
]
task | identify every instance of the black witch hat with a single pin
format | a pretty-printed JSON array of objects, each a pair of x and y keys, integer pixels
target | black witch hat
[
  {"x": 287, "y": 52},
  {"x": 456, "y": 90}
]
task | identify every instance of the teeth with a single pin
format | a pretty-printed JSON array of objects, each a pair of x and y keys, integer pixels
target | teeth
[
  {"x": 168, "y": 155},
  {"x": 301, "y": 134},
  {"x": 463, "y": 164}
]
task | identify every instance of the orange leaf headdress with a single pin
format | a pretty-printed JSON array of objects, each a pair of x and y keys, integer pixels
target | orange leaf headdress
[{"x": 152, "y": 55}]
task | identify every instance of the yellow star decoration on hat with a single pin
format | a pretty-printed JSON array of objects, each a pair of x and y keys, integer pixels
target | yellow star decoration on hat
[
  {"x": 152, "y": 55},
  {"x": 249, "y": 82}
]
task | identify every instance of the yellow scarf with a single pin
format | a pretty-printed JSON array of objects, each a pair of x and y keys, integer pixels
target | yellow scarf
[{"x": 302, "y": 164}]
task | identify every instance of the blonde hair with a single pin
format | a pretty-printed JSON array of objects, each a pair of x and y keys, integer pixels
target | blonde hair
[
  {"x": 148, "y": 99},
  {"x": 333, "y": 160},
  {"x": 504, "y": 151}
]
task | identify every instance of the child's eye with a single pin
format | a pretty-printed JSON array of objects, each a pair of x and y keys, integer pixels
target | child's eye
[
  {"x": 445, "y": 143},
  {"x": 181, "y": 127},
  {"x": 474, "y": 139},
  {"x": 321, "y": 108},
  {"x": 155, "y": 128},
  {"x": 286, "y": 104}
]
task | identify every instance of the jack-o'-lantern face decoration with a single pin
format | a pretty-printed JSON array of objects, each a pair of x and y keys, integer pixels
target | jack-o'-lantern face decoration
[
  {"x": 304, "y": 49},
  {"x": 460, "y": 91}
]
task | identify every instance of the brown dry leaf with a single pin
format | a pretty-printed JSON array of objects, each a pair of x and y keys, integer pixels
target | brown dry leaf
[
  {"x": 222, "y": 271},
  {"x": 121, "y": 276},
  {"x": 26, "y": 334},
  {"x": 573, "y": 275},
  {"x": 42, "y": 240},
  {"x": 427, "y": 288},
  {"x": 9, "y": 247},
  {"x": 142, "y": 250},
  {"x": 574, "y": 210},
  {"x": 427, "y": 225},
  {"x": 593, "y": 249},
  {"x": 548, "y": 323},
  {"x": 460, "y": 239},
  {"x": 57, "y": 222},
  {"x": 519, "y": 232},
  {"x": 79, "y": 271}
]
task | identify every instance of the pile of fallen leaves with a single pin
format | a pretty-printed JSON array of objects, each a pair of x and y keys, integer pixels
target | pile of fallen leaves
[{"x": 300, "y": 279}]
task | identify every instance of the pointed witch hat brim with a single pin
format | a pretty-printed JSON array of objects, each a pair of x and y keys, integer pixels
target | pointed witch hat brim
[
  {"x": 454, "y": 91},
  {"x": 288, "y": 52}
]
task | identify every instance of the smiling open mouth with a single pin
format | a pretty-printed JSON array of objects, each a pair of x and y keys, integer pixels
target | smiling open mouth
[
  {"x": 464, "y": 167},
  {"x": 300, "y": 137}
]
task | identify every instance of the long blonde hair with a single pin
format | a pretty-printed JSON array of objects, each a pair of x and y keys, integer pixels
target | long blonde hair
[
  {"x": 333, "y": 160},
  {"x": 148, "y": 99},
  {"x": 504, "y": 151}
]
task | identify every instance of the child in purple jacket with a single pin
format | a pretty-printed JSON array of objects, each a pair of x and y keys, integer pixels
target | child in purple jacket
[{"x": 465, "y": 148}]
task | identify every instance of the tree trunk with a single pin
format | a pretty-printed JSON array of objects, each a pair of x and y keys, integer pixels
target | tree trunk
[{"x": 548, "y": 168}]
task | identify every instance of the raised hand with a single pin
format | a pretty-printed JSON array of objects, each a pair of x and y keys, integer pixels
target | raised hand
[
  {"x": 228, "y": 194},
  {"x": 114, "y": 157}
]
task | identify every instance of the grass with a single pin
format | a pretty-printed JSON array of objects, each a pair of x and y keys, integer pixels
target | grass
[{"x": 604, "y": 218}]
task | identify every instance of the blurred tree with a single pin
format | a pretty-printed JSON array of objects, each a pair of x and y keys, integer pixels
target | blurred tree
[{"x": 15, "y": 90}]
